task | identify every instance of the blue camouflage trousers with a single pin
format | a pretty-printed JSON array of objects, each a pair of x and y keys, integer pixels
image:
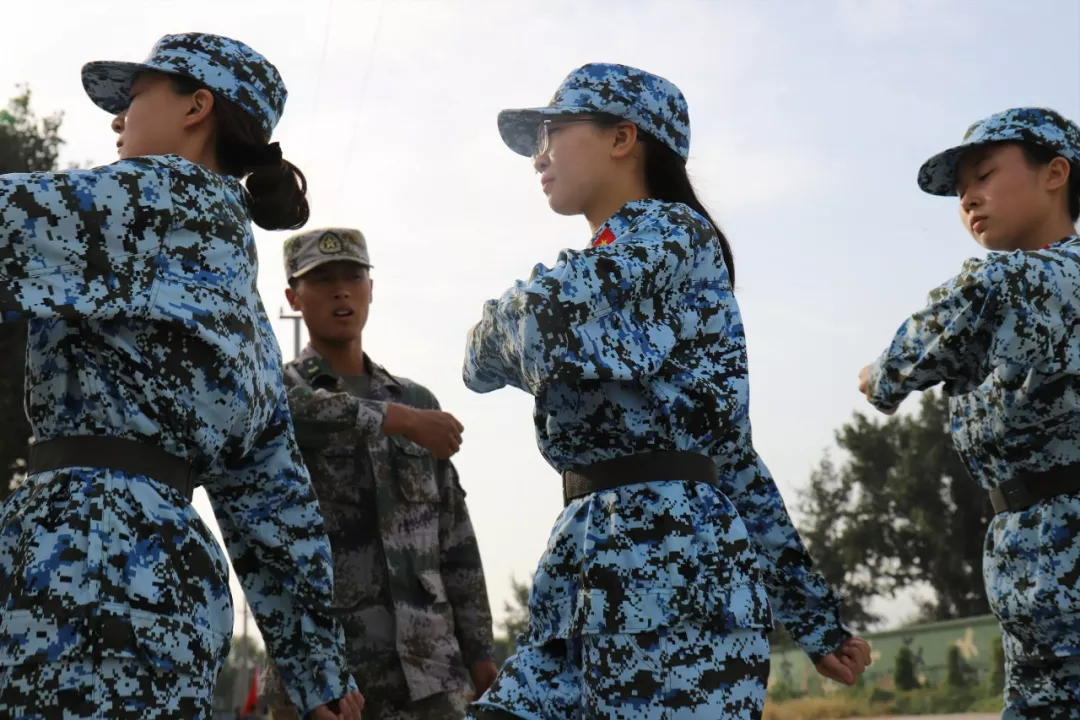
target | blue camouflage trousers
[
  {"x": 113, "y": 688},
  {"x": 669, "y": 673},
  {"x": 114, "y": 601},
  {"x": 1032, "y": 570},
  {"x": 1043, "y": 688}
]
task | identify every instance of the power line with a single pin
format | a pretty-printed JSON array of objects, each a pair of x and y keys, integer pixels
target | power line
[
  {"x": 356, "y": 115},
  {"x": 322, "y": 67}
]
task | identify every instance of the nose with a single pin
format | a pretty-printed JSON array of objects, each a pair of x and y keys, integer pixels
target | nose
[
  {"x": 118, "y": 123},
  {"x": 341, "y": 292},
  {"x": 541, "y": 162},
  {"x": 968, "y": 200}
]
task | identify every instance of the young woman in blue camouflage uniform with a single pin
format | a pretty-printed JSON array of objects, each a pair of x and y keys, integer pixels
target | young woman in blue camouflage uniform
[
  {"x": 1002, "y": 337},
  {"x": 653, "y": 597},
  {"x": 152, "y": 367}
]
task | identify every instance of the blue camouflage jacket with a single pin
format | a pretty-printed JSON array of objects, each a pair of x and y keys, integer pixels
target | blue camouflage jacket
[
  {"x": 1002, "y": 336},
  {"x": 636, "y": 344},
  {"x": 139, "y": 283}
]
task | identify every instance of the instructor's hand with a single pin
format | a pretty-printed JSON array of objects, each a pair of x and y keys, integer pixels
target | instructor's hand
[
  {"x": 484, "y": 673},
  {"x": 434, "y": 430}
]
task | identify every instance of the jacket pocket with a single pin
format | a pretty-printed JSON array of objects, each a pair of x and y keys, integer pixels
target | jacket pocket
[{"x": 415, "y": 467}]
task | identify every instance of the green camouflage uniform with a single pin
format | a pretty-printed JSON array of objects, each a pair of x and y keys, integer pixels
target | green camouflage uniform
[{"x": 404, "y": 549}]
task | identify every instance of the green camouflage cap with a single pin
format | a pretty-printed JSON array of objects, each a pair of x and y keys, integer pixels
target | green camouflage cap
[{"x": 306, "y": 251}]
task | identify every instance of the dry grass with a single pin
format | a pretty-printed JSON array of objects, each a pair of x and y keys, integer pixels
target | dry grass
[{"x": 819, "y": 708}]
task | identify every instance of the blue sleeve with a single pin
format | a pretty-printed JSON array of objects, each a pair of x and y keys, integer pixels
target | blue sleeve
[
  {"x": 81, "y": 244},
  {"x": 273, "y": 527},
  {"x": 948, "y": 340},
  {"x": 588, "y": 318},
  {"x": 799, "y": 596}
]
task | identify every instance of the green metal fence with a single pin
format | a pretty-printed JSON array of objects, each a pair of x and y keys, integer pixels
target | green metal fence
[{"x": 929, "y": 643}]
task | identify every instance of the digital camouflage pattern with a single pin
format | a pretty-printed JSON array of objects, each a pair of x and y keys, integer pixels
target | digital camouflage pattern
[
  {"x": 1038, "y": 126},
  {"x": 1001, "y": 338},
  {"x": 226, "y": 66},
  {"x": 678, "y": 672},
  {"x": 652, "y": 103},
  {"x": 1046, "y": 689},
  {"x": 404, "y": 548},
  {"x": 138, "y": 280},
  {"x": 634, "y": 345},
  {"x": 306, "y": 251}
]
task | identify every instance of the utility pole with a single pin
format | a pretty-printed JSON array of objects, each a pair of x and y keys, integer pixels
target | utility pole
[{"x": 297, "y": 320}]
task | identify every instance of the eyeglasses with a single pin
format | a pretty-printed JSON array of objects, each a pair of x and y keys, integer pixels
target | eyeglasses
[{"x": 547, "y": 129}]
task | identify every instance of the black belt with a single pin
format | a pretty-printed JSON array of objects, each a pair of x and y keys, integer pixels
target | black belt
[
  {"x": 137, "y": 458},
  {"x": 1032, "y": 488},
  {"x": 113, "y": 453},
  {"x": 635, "y": 469}
]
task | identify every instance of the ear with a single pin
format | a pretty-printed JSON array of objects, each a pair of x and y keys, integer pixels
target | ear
[
  {"x": 1057, "y": 173},
  {"x": 371, "y": 290},
  {"x": 200, "y": 108},
  {"x": 290, "y": 295},
  {"x": 625, "y": 139}
]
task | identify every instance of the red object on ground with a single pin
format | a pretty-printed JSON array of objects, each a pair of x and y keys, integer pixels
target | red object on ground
[{"x": 253, "y": 694}]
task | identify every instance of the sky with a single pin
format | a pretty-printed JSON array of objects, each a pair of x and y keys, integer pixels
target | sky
[{"x": 809, "y": 120}]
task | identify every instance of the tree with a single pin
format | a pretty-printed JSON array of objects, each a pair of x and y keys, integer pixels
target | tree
[
  {"x": 904, "y": 670},
  {"x": 27, "y": 144},
  {"x": 901, "y": 511},
  {"x": 516, "y": 622},
  {"x": 827, "y": 497},
  {"x": 959, "y": 673},
  {"x": 997, "y": 669}
]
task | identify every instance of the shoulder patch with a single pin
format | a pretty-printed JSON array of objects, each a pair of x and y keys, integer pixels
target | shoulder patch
[{"x": 310, "y": 369}]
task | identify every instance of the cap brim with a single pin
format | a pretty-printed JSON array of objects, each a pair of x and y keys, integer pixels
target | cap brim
[
  {"x": 937, "y": 175},
  {"x": 520, "y": 128},
  {"x": 109, "y": 83},
  {"x": 324, "y": 261}
]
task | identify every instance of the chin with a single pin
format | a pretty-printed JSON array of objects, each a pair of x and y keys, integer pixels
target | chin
[
  {"x": 562, "y": 207},
  {"x": 337, "y": 335},
  {"x": 997, "y": 243}
]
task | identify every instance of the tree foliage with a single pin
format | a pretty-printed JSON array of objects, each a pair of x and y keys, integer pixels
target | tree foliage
[{"x": 900, "y": 512}]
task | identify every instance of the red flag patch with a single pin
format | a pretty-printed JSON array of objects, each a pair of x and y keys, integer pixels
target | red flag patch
[{"x": 605, "y": 238}]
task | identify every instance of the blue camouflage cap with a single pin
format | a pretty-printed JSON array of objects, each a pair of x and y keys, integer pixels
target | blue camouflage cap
[
  {"x": 652, "y": 103},
  {"x": 1038, "y": 126},
  {"x": 225, "y": 66}
]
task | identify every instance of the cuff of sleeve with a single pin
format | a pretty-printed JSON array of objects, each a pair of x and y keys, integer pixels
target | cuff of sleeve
[
  {"x": 819, "y": 633},
  {"x": 370, "y": 416},
  {"x": 321, "y": 688},
  {"x": 878, "y": 388},
  {"x": 474, "y": 652}
]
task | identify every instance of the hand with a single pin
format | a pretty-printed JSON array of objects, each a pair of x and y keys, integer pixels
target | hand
[
  {"x": 864, "y": 381},
  {"x": 847, "y": 662},
  {"x": 864, "y": 387},
  {"x": 347, "y": 708},
  {"x": 484, "y": 673},
  {"x": 434, "y": 430}
]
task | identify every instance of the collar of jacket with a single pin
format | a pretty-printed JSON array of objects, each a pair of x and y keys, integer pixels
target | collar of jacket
[{"x": 317, "y": 371}]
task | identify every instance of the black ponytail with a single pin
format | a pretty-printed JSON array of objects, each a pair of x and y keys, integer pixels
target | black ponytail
[
  {"x": 276, "y": 189},
  {"x": 667, "y": 180}
]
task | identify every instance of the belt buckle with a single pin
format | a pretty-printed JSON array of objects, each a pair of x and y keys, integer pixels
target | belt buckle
[{"x": 1017, "y": 496}]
